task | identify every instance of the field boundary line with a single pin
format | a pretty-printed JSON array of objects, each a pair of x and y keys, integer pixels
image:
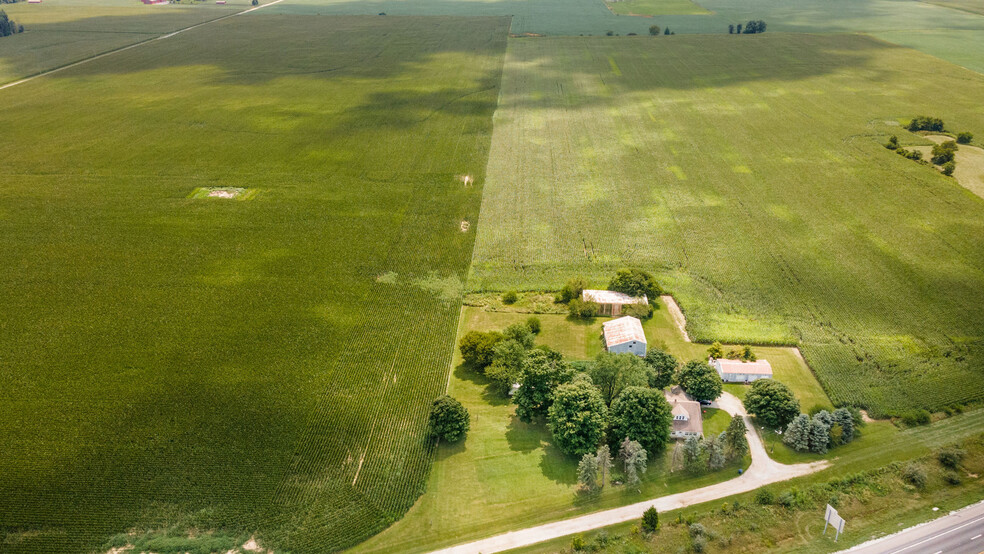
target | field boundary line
[{"x": 134, "y": 45}]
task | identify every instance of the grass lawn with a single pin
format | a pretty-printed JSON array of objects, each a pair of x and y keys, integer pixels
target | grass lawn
[
  {"x": 764, "y": 233},
  {"x": 258, "y": 366},
  {"x": 506, "y": 474},
  {"x": 656, "y": 7},
  {"x": 715, "y": 421}
]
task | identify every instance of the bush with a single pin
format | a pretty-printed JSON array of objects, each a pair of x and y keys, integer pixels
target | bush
[
  {"x": 951, "y": 456},
  {"x": 650, "y": 519},
  {"x": 948, "y": 168},
  {"x": 697, "y": 530},
  {"x": 641, "y": 311},
  {"x": 571, "y": 290},
  {"x": 916, "y": 417},
  {"x": 636, "y": 282},
  {"x": 952, "y": 478},
  {"x": 534, "y": 324},
  {"x": 699, "y": 543},
  {"x": 964, "y": 138},
  {"x": 510, "y": 297},
  {"x": 893, "y": 143},
  {"x": 943, "y": 153},
  {"x": 583, "y": 309},
  {"x": 654, "y": 30},
  {"x": 577, "y": 543},
  {"x": 925, "y": 123},
  {"x": 914, "y": 475},
  {"x": 765, "y": 497}
]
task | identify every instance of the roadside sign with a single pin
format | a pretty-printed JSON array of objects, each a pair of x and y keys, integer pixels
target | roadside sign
[{"x": 832, "y": 518}]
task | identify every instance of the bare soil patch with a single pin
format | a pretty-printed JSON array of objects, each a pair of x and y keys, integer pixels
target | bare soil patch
[
  {"x": 677, "y": 314},
  {"x": 970, "y": 163}
]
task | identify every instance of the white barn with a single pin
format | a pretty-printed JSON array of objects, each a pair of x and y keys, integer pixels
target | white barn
[
  {"x": 624, "y": 335},
  {"x": 737, "y": 371},
  {"x": 611, "y": 302}
]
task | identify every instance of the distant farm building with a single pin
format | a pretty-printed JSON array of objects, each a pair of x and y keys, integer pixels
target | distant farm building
[
  {"x": 687, "y": 421},
  {"x": 624, "y": 335},
  {"x": 611, "y": 302},
  {"x": 737, "y": 371}
]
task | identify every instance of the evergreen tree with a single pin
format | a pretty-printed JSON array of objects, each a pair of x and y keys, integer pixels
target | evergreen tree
[
  {"x": 693, "y": 454},
  {"x": 843, "y": 417},
  {"x": 587, "y": 473},
  {"x": 634, "y": 457},
  {"x": 715, "y": 453},
  {"x": 797, "y": 434},
  {"x": 819, "y": 435},
  {"x": 650, "y": 519},
  {"x": 604, "y": 457},
  {"x": 735, "y": 441}
]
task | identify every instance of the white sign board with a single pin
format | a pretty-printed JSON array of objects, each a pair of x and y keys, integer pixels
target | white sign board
[{"x": 834, "y": 519}]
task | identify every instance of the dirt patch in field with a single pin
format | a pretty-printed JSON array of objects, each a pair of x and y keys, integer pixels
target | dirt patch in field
[
  {"x": 970, "y": 163},
  {"x": 677, "y": 314},
  {"x": 223, "y": 193},
  {"x": 465, "y": 226}
]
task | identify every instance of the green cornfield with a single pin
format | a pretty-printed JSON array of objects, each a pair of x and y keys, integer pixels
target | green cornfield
[
  {"x": 750, "y": 176},
  {"x": 258, "y": 366}
]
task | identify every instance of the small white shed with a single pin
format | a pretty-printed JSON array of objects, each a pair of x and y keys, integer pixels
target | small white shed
[
  {"x": 737, "y": 371},
  {"x": 624, "y": 335},
  {"x": 611, "y": 302}
]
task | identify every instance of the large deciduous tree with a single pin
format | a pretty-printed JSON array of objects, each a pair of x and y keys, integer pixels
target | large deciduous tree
[
  {"x": 772, "y": 403},
  {"x": 643, "y": 415},
  {"x": 612, "y": 373},
  {"x": 636, "y": 282},
  {"x": 543, "y": 371},
  {"x": 477, "y": 348},
  {"x": 448, "y": 420},
  {"x": 662, "y": 366},
  {"x": 577, "y": 417},
  {"x": 700, "y": 380}
]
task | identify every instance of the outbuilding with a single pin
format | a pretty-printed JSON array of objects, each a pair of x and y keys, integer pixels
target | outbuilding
[
  {"x": 737, "y": 371},
  {"x": 611, "y": 302},
  {"x": 624, "y": 335}
]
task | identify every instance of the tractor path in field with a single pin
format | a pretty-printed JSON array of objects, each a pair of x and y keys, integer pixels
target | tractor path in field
[
  {"x": 141, "y": 43},
  {"x": 762, "y": 471}
]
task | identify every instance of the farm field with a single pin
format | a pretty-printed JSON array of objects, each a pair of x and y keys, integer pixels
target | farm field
[
  {"x": 244, "y": 366},
  {"x": 506, "y": 474},
  {"x": 964, "y": 48},
  {"x": 971, "y": 6},
  {"x": 60, "y": 32},
  {"x": 769, "y": 222},
  {"x": 655, "y": 7}
]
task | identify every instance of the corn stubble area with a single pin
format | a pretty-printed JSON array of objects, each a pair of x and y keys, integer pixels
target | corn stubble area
[{"x": 176, "y": 363}]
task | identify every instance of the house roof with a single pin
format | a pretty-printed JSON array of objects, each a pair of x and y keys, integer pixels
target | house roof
[
  {"x": 695, "y": 423},
  {"x": 622, "y": 330},
  {"x": 760, "y": 367},
  {"x": 611, "y": 297},
  {"x": 679, "y": 410}
]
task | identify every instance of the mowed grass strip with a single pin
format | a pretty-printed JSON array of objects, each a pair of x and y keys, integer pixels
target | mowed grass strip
[
  {"x": 748, "y": 174},
  {"x": 186, "y": 363}
]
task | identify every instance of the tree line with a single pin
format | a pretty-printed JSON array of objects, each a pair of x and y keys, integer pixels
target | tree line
[
  {"x": 752, "y": 27},
  {"x": 633, "y": 282},
  {"x": 8, "y": 26},
  {"x": 943, "y": 154}
]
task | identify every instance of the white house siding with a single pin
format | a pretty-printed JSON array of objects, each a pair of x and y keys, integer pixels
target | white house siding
[{"x": 631, "y": 347}]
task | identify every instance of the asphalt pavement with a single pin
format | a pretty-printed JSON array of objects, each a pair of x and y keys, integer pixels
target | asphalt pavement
[{"x": 960, "y": 532}]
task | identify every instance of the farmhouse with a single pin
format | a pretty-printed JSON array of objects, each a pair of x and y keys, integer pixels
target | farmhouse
[
  {"x": 611, "y": 302},
  {"x": 687, "y": 421},
  {"x": 624, "y": 335},
  {"x": 737, "y": 371}
]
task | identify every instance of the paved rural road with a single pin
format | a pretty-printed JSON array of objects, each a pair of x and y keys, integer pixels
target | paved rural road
[
  {"x": 762, "y": 472},
  {"x": 118, "y": 50},
  {"x": 961, "y": 532}
]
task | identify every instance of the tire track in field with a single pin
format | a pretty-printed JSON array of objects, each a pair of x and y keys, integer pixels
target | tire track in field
[{"x": 134, "y": 45}]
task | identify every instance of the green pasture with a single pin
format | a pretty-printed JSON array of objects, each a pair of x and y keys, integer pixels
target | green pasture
[
  {"x": 971, "y": 6},
  {"x": 655, "y": 7},
  {"x": 266, "y": 366},
  {"x": 506, "y": 474},
  {"x": 752, "y": 181}
]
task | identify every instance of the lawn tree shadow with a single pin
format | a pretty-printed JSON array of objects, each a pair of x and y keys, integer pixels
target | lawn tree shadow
[
  {"x": 526, "y": 437},
  {"x": 445, "y": 450},
  {"x": 558, "y": 466}
]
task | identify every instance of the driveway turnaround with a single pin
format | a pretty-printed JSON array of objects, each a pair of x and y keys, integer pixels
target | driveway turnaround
[
  {"x": 761, "y": 472},
  {"x": 959, "y": 532}
]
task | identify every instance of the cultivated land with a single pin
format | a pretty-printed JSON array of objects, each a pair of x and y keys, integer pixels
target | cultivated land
[
  {"x": 750, "y": 174},
  {"x": 236, "y": 366},
  {"x": 60, "y": 32},
  {"x": 655, "y": 7}
]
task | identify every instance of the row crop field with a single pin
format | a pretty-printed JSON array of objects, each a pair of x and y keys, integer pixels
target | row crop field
[
  {"x": 750, "y": 177},
  {"x": 175, "y": 362}
]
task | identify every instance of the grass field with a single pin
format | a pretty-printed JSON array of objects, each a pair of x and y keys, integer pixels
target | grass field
[
  {"x": 769, "y": 223},
  {"x": 506, "y": 474},
  {"x": 60, "y": 32},
  {"x": 875, "y": 504},
  {"x": 971, "y": 6},
  {"x": 655, "y": 7},
  {"x": 174, "y": 363}
]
